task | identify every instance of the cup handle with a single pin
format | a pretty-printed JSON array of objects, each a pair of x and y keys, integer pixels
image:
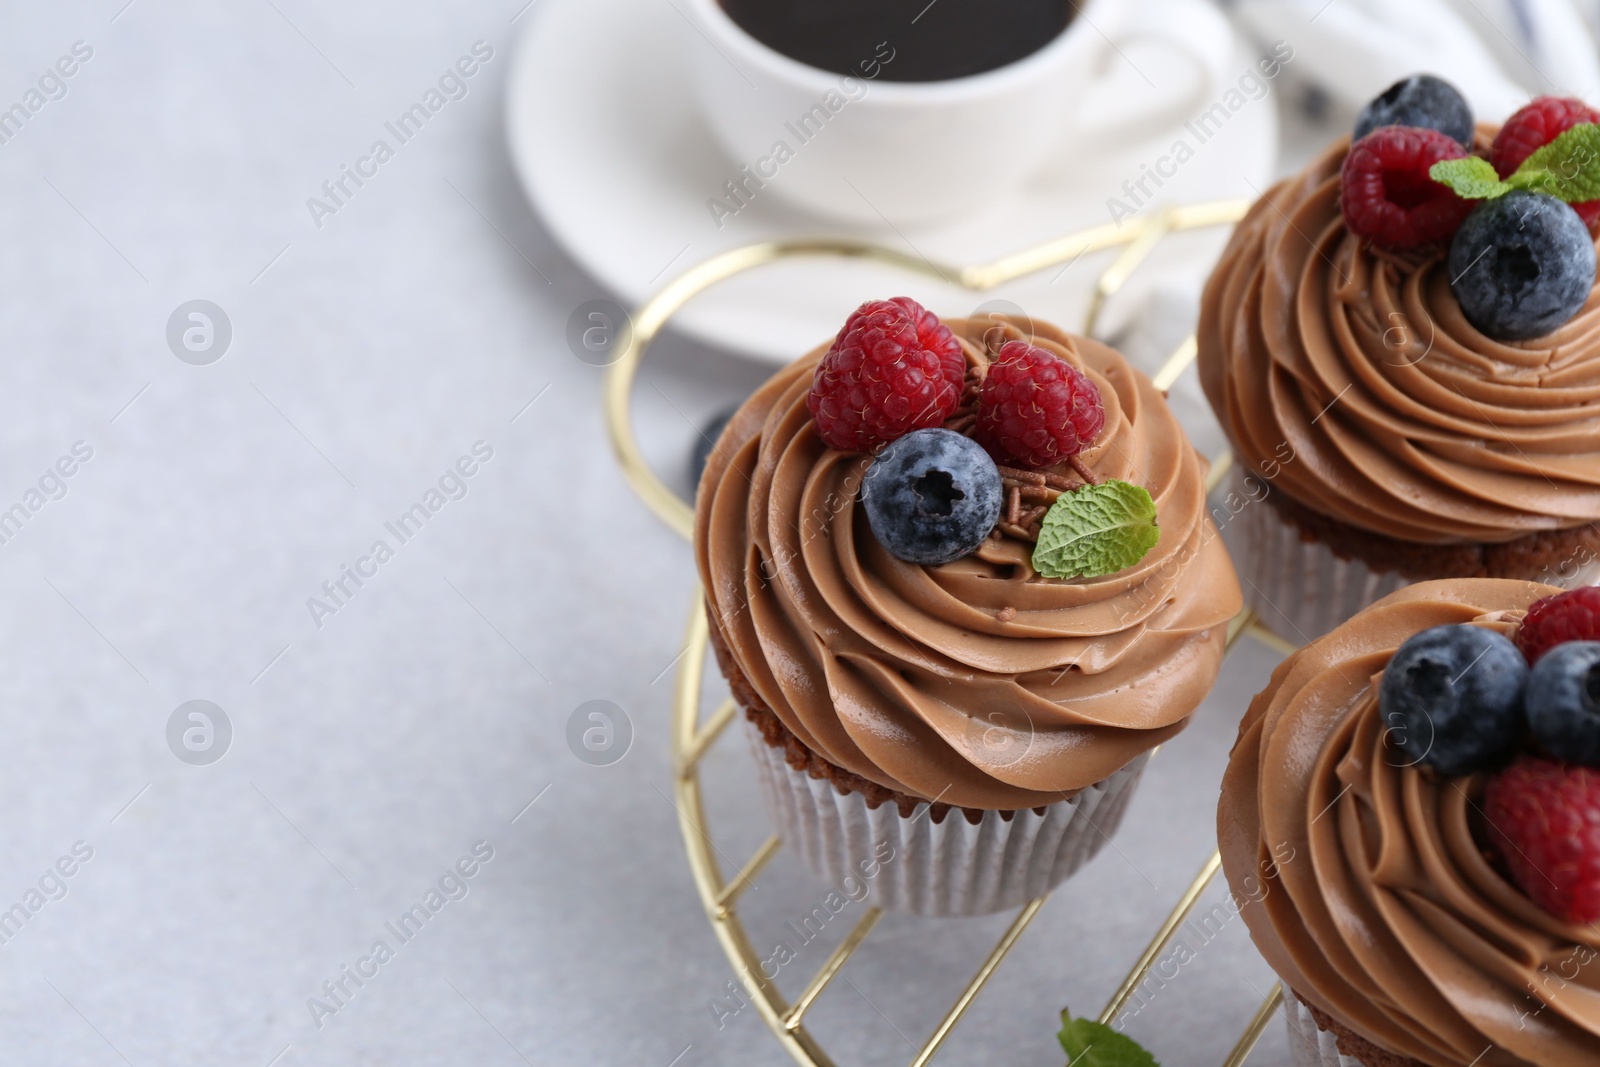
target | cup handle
[{"x": 1199, "y": 34}]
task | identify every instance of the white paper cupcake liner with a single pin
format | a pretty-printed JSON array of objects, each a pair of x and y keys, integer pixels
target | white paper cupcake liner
[
  {"x": 1299, "y": 589},
  {"x": 1308, "y": 1045},
  {"x": 954, "y": 867}
]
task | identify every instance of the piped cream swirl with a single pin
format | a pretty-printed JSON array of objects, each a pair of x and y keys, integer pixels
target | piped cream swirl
[{"x": 906, "y": 675}]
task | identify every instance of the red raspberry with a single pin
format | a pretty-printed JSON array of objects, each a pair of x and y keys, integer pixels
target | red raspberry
[
  {"x": 1544, "y": 817},
  {"x": 1555, "y": 620},
  {"x": 1386, "y": 194},
  {"x": 1535, "y": 126},
  {"x": 886, "y": 374},
  {"x": 936, "y": 336},
  {"x": 1036, "y": 409}
]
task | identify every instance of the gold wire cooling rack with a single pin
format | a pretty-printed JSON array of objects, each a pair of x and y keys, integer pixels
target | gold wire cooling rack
[{"x": 691, "y": 738}]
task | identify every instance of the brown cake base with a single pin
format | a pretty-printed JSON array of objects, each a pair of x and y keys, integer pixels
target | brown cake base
[
  {"x": 1537, "y": 557},
  {"x": 1353, "y": 1044},
  {"x": 801, "y": 758}
]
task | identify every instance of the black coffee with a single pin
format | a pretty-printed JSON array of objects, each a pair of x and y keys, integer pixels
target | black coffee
[{"x": 903, "y": 40}]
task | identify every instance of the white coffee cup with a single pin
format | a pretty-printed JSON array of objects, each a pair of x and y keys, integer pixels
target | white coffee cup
[{"x": 865, "y": 149}]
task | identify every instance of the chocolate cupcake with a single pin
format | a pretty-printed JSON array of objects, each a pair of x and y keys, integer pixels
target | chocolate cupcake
[
  {"x": 1408, "y": 842},
  {"x": 1406, "y": 398},
  {"x": 952, "y": 678}
]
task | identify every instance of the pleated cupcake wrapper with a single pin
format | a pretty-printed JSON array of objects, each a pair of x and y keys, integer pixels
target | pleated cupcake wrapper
[
  {"x": 1300, "y": 589},
  {"x": 954, "y": 867},
  {"x": 1309, "y": 1044}
]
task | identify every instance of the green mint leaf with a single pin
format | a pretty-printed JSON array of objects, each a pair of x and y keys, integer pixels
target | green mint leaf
[
  {"x": 1091, "y": 1044},
  {"x": 1095, "y": 530},
  {"x": 1568, "y": 168},
  {"x": 1470, "y": 178}
]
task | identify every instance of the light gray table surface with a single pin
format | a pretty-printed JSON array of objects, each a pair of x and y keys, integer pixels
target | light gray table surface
[{"x": 372, "y": 751}]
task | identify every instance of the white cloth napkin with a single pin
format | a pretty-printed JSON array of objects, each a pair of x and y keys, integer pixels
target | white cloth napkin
[{"x": 1499, "y": 53}]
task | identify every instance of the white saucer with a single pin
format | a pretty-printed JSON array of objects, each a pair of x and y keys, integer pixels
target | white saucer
[{"x": 605, "y": 135}]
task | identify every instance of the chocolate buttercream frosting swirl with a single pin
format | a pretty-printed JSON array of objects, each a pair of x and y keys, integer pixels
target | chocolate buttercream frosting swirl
[
  {"x": 1359, "y": 876},
  {"x": 1351, "y": 379},
  {"x": 977, "y": 683}
]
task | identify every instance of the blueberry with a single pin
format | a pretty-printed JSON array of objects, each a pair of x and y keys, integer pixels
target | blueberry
[
  {"x": 1420, "y": 100},
  {"x": 1564, "y": 702},
  {"x": 706, "y": 443},
  {"x": 1452, "y": 698},
  {"x": 1521, "y": 265},
  {"x": 932, "y": 496}
]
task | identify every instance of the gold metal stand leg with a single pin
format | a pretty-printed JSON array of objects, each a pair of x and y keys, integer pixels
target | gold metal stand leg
[
  {"x": 985, "y": 972},
  {"x": 1163, "y": 936},
  {"x": 1253, "y": 1032}
]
